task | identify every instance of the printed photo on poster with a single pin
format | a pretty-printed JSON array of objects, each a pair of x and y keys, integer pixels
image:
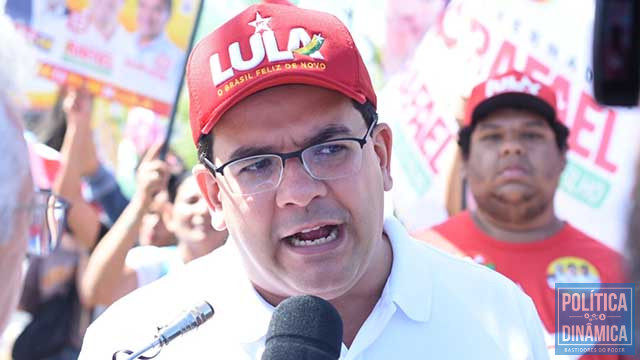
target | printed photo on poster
[{"x": 132, "y": 51}]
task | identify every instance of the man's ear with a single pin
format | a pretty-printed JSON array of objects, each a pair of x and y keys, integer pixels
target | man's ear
[
  {"x": 563, "y": 159},
  {"x": 210, "y": 189},
  {"x": 464, "y": 163},
  {"x": 382, "y": 141}
]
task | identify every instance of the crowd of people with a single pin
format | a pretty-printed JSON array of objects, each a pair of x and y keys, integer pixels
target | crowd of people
[
  {"x": 293, "y": 167},
  {"x": 102, "y": 258}
]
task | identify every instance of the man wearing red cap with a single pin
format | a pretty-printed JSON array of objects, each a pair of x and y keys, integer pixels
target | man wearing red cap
[
  {"x": 514, "y": 150},
  {"x": 294, "y": 165}
]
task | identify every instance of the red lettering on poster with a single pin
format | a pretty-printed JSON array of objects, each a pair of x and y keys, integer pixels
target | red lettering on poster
[
  {"x": 581, "y": 123},
  {"x": 448, "y": 40},
  {"x": 476, "y": 26},
  {"x": 536, "y": 69},
  {"x": 428, "y": 133},
  {"x": 92, "y": 55},
  {"x": 439, "y": 138},
  {"x": 504, "y": 60},
  {"x": 561, "y": 86},
  {"x": 601, "y": 155}
]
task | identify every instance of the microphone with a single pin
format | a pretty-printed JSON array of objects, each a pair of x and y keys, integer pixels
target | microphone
[
  {"x": 185, "y": 323},
  {"x": 304, "y": 328}
]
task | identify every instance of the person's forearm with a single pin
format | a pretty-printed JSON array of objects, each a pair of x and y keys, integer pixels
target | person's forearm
[
  {"x": 106, "y": 192},
  {"x": 82, "y": 219},
  {"x": 106, "y": 277}
]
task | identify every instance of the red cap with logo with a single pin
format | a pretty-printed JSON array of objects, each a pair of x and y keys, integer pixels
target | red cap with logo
[
  {"x": 269, "y": 45},
  {"x": 508, "y": 90}
]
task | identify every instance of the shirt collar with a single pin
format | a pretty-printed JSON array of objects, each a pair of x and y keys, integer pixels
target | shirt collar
[
  {"x": 247, "y": 313},
  {"x": 401, "y": 288},
  {"x": 410, "y": 282}
]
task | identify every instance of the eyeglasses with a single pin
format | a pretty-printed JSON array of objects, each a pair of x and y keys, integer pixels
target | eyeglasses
[
  {"x": 47, "y": 217},
  {"x": 328, "y": 160}
]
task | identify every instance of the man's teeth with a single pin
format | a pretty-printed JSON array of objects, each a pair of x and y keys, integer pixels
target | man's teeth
[
  {"x": 310, "y": 230},
  {"x": 295, "y": 241}
]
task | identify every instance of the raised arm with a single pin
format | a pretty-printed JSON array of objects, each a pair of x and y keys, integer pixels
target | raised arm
[
  {"x": 106, "y": 277},
  {"x": 82, "y": 218}
]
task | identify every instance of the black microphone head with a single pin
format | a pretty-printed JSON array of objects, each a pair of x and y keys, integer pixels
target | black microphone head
[{"x": 304, "y": 328}]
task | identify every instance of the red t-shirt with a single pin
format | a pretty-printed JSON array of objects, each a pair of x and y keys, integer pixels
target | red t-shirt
[{"x": 567, "y": 256}]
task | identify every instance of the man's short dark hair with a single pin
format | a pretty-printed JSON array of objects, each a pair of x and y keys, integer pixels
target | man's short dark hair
[
  {"x": 367, "y": 110},
  {"x": 560, "y": 131}
]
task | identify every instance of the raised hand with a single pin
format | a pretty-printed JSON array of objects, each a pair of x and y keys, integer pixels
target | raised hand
[{"x": 152, "y": 175}]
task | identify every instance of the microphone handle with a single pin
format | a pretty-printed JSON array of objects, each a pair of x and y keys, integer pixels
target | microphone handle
[
  {"x": 191, "y": 320},
  {"x": 137, "y": 355}
]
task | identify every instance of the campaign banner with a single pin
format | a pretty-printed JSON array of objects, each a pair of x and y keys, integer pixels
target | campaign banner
[
  {"x": 130, "y": 51},
  {"x": 549, "y": 40}
]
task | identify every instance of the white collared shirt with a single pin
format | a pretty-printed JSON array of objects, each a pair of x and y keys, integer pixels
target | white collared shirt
[{"x": 433, "y": 306}]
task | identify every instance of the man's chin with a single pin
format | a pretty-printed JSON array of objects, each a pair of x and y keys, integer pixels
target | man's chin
[
  {"x": 514, "y": 207},
  {"x": 323, "y": 288},
  {"x": 299, "y": 287},
  {"x": 514, "y": 194}
]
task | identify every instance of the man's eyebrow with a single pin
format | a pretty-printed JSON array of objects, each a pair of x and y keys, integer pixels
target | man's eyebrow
[
  {"x": 325, "y": 134},
  {"x": 486, "y": 125},
  {"x": 530, "y": 123},
  {"x": 536, "y": 123},
  {"x": 245, "y": 151}
]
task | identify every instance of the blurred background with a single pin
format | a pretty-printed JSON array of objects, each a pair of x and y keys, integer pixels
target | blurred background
[{"x": 424, "y": 57}]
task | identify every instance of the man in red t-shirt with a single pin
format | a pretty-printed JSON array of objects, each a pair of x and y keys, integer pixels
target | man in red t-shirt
[{"x": 514, "y": 150}]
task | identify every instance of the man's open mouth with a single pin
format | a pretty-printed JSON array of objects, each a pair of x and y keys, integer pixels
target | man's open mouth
[{"x": 315, "y": 236}]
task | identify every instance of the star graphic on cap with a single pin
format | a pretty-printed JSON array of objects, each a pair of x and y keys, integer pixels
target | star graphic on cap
[{"x": 260, "y": 23}]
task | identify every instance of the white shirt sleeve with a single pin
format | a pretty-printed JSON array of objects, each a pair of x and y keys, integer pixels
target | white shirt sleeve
[
  {"x": 149, "y": 262},
  {"x": 534, "y": 328}
]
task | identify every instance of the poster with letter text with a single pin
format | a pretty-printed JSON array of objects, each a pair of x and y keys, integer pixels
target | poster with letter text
[
  {"x": 551, "y": 41},
  {"x": 129, "y": 51}
]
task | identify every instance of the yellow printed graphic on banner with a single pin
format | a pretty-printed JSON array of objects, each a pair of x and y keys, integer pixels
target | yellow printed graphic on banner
[
  {"x": 77, "y": 5},
  {"x": 178, "y": 27}
]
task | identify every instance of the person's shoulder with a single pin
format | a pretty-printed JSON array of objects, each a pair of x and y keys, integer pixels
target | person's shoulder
[
  {"x": 448, "y": 267},
  {"x": 471, "y": 288},
  {"x": 180, "y": 286},
  {"x": 148, "y": 254},
  {"x": 449, "y": 234},
  {"x": 587, "y": 242},
  {"x": 611, "y": 264},
  {"x": 462, "y": 219},
  {"x": 132, "y": 320},
  {"x": 443, "y": 266},
  {"x": 187, "y": 282},
  {"x": 145, "y": 250}
]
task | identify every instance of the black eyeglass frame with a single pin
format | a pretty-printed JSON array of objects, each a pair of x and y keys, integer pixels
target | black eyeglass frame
[
  {"x": 55, "y": 202},
  {"x": 284, "y": 156}
]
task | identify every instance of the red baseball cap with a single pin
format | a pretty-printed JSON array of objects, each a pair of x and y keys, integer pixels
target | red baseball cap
[
  {"x": 510, "y": 89},
  {"x": 268, "y": 45}
]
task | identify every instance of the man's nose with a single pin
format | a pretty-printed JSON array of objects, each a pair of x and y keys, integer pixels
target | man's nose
[
  {"x": 297, "y": 186},
  {"x": 511, "y": 146}
]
